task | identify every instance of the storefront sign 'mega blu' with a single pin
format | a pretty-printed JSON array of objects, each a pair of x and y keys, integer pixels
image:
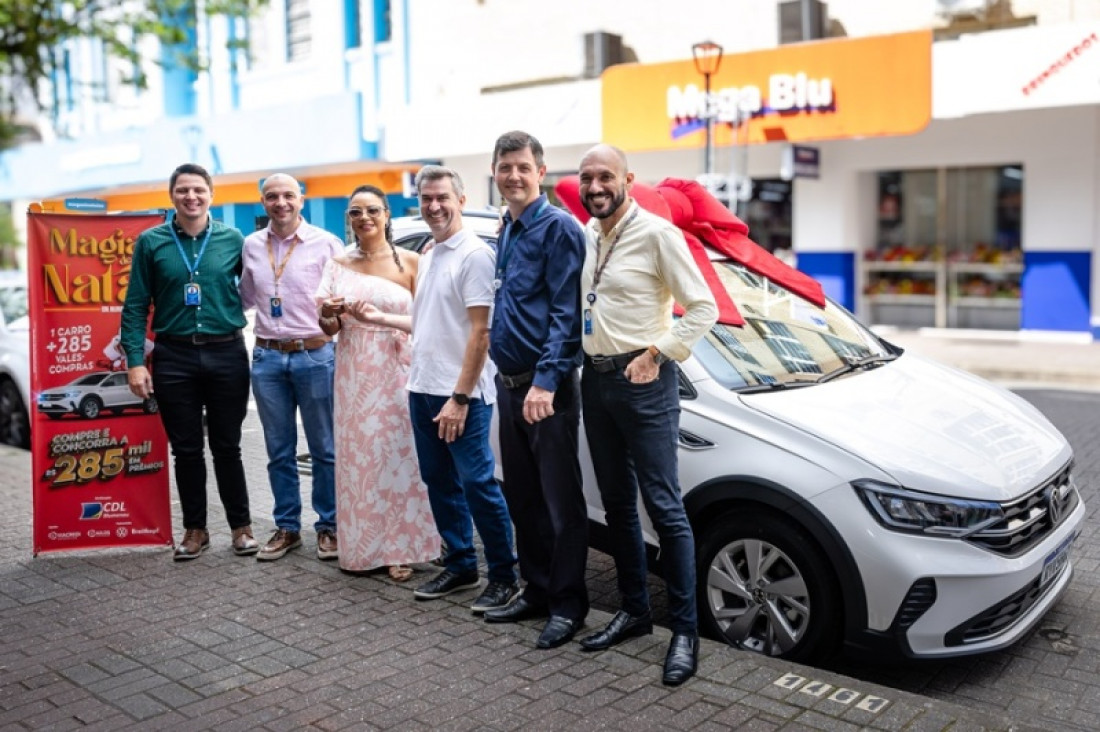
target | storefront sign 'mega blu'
[{"x": 865, "y": 87}]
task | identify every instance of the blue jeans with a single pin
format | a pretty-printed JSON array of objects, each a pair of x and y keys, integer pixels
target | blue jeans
[
  {"x": 462, "y": 490},
  {"x": 632, "y": 432},
  {"x": 285, "y": 383}
]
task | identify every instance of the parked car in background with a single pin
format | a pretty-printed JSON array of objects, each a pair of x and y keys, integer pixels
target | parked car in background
[
  {"x": 91, "y": 394},
  {"x": 410, "y": 232},
  {"x": 14, "y": 361},
  {"x": 844, "y": 492}
]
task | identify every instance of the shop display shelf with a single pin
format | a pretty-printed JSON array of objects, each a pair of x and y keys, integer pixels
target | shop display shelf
[
  {"x": 894, "y": 299},
  {"x": 986, "y": 302}
]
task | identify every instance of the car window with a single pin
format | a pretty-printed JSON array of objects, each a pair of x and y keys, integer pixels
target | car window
[
  {"x": 118, "y": 379},
  {"x": 784, "y": 339},
  {"x": 13, "y": 303},
  {"x": 90, "y": 379}
]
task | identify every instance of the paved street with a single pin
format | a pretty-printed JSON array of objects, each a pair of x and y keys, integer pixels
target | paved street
[{"x": 128, "y": 639}]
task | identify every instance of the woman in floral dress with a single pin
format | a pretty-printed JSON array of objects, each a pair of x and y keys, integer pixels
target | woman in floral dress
[{"x": 383, "y": 518}]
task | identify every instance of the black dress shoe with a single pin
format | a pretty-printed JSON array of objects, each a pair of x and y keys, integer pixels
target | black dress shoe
[
  {"x": 621, "y": 627},
  {"x": 520, "y": 609},
  {"x": 558, "y": 630},
  {"x": 682, "y": 659}
]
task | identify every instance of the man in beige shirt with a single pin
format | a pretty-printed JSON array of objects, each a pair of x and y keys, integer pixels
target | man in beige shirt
[{"x": 636, "y": 265}]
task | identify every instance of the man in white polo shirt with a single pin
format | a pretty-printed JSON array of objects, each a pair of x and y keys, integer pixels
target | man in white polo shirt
[{"x": 451, "y": 396}]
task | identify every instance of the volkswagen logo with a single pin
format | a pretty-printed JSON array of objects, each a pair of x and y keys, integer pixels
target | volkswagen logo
[{"x": 1054, "y": 506}]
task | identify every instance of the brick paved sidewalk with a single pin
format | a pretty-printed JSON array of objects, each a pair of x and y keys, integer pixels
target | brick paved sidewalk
[{"x": 127, "y": 639}]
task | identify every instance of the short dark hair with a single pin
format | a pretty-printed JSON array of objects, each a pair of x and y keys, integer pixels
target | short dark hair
[
  {"x": 515, "y": 141},
  {"x": 189, "y": 169}
]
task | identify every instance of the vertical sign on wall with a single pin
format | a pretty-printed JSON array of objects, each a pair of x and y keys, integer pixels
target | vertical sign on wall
[{"x": 99, "y": 455}]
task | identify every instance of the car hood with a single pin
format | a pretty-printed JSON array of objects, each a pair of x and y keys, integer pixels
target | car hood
[{"x": 930, "y": 427}]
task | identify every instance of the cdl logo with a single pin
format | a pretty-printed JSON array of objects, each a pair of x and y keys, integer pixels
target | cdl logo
[{"x": 98, "y": 509}]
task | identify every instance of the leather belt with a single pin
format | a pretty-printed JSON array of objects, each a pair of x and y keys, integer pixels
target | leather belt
[
  {"x": 201, "y": 339},
  {"x": 604, "y": 364},
  {"x": 517, "y": 381},
  {"x": 294, "y": 344}
]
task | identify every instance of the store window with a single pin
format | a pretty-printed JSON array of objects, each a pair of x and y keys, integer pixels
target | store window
[{"x": 948, "y": 248}]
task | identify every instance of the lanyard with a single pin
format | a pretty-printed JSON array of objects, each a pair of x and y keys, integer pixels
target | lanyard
[
  {"x": 191, "y": 268},
  {"x": 278, "y": 271},
  {"x": 506, "y": 250},
  {"x": 600, "y": 266}
]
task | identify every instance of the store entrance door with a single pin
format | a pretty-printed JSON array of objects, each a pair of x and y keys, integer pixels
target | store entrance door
[{"x": 768, "y": 215}]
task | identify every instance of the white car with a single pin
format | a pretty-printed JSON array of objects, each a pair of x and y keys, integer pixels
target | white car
[
  {"x": 842, "y": 491},
  {"x": 92, "y": 394},
  {"x": 15, "y": 429}
]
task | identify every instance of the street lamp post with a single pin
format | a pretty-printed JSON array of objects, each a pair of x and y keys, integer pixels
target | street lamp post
[{"x": 708, "y": 57}]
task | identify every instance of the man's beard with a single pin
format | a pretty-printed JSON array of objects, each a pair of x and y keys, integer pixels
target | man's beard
[{"x": 616, "y": 201}]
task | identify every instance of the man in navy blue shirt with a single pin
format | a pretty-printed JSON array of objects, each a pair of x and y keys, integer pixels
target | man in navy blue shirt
[{"x": 534, "y": 340}]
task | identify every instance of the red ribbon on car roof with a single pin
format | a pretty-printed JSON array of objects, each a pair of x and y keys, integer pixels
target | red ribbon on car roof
[{"x": 702, "y": 218}]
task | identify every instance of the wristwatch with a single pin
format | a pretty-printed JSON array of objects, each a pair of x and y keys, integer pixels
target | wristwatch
[
  {"x": 658, "y": 358},
  {"x": 461, "y": 399}
]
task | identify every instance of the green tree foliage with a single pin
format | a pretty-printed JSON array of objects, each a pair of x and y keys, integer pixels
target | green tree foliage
[{"x": 33, "y": 34}]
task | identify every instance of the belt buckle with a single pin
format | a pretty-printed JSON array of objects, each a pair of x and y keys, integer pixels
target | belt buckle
[
  {"x": 197, "y": 339},
  {"x": 299, "y": 344}
]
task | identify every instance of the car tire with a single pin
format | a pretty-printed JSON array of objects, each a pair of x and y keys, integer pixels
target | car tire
[
  {"x": 15, "y": 423},
  {"x": 150, "y": 405},
  {"x": 764, "y": 586},
  {"x": 90, "y": 407}
]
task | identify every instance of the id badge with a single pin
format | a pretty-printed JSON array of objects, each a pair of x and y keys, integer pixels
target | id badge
[
  {"x": 276, "y": 307},
  {"x": 192, "y": 295},
  {"x": 588, "y": 321}
]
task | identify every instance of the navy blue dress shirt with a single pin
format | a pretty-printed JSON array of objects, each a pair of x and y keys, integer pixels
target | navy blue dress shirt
[{"x": 537, "y": 310}]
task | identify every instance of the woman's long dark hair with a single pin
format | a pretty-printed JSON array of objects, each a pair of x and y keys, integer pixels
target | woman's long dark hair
[{"x": 388, "y": 231}]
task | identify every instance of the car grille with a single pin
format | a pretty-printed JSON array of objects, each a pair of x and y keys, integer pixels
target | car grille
[
  {"x": 1031, "y": 518},
  {"x": 50, "y": 397},
  {"x": 997, "y": 618}
]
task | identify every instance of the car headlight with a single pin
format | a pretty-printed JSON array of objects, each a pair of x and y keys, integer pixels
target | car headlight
[
  {"x": 71, "y": 394},
  {"x": 924, "y": 513}
]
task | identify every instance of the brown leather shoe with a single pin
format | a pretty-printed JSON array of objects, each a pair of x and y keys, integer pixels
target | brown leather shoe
[
  {"x": 326, "y": 544},
  {"x": 243, "y": 543},
  {"x": 194, "y": 543},
  {"x": 279, "y": 544}
]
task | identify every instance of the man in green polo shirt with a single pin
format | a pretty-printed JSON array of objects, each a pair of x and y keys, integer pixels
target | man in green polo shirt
[{"x": 188, "y": 269}]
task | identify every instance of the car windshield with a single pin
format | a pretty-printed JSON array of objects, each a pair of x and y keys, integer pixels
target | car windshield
[{"x": 785, "y": 341}]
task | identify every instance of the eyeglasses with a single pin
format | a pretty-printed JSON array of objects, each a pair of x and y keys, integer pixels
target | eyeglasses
[{"x": 372, "y": 211}]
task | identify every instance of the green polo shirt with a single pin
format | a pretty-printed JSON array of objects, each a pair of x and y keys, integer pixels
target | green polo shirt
[{"x": 158, "y": 275}]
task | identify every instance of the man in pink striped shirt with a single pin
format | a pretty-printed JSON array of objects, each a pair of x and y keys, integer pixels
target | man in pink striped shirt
[{"x": 292, "y": 365}]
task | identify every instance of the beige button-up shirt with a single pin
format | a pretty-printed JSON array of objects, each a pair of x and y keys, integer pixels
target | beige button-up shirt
[{"x": 649, "y": 267}]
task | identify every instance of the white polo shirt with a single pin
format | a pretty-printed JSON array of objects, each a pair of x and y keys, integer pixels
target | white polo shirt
[{"x": 456, "y": 274}]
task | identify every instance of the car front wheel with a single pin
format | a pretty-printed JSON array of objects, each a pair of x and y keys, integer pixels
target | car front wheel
[
  {"x": 764, "y": 586},
  {"x": 15, "y": 424},
  {"x": 90, "y": 407}
]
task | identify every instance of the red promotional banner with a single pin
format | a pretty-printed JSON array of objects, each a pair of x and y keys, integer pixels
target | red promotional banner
[{"x": 99, "y": 454}]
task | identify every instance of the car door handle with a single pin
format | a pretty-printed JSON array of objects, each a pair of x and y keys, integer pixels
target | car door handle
[{"x": 692, "y": 441}]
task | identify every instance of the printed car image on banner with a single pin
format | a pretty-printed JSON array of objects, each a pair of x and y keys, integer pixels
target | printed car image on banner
[
  {"x": 99, "y": 455},
  {"x": 822, "y": 90}
]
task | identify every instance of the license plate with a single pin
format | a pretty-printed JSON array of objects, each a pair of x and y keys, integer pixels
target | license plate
[{"x": 1055, "y": 562}]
